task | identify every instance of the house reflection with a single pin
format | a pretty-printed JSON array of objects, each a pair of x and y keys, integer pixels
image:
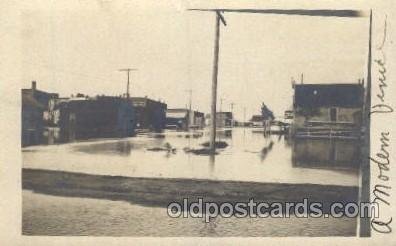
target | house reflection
[
  {"x": 224, "y": 134},
  {"x": 264, "y": 151},
  {"x": 123, "y": 148},
  {"x": 326, "y": 153}
]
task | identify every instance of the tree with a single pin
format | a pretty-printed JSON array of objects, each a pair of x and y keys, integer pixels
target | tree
[{"x": 266, "y": 112}]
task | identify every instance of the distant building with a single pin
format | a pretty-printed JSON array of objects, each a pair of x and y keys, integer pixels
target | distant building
[
  {"x": 184, "y": 119},
  {"x": 150, "y": 114},
  {"x": 224, "y": 119},
  {"x": 288, "y": 115},
  {"x": 98, "y": 117},
  {"x": 257, "y": 121},
  {"x": 177, "y": 119},
  {"x": 198, "y": 120},
  {"x": 34, "y": 104},
  {"x": 53, "y": 113},
  {"x": 59, "y": 130},
  {"x": 333, "y": 106},
  {"x": 207, "y": 120}
]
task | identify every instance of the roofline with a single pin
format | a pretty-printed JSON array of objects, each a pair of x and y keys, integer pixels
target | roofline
[
  {"x": 178, "y": 109},
  {"x": 147, "y": 98},
  {"x": 46, "y": 92},
  {"x": 185, "y": 109}
]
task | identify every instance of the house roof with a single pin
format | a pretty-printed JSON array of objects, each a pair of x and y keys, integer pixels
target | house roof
[
  {"x": 328, "y": 95},
  {"x": 98, "y": 103}
]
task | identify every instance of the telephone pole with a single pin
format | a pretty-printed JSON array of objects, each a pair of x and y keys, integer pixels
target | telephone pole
[
  {"x": 221, "y": 103},
  {"x": 128, "y": 70},
  {"x": 190, "y": 113},
  {"x": 220, "y": 19},
  {"x": 232, "y": 114},
  {"x": 190, "y": 99},
  {"x": 244, "y": 116}
]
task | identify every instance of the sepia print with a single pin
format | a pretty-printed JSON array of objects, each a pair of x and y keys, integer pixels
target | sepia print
[{"x": 144, "y": 119}]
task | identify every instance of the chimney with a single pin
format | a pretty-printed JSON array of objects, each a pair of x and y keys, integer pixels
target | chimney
[{"x": 34, "y": 85}]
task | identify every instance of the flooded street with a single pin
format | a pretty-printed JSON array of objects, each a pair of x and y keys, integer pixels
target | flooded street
[
  {"x": 249, "y": 157},
  {"x": 189, "y": 119}
]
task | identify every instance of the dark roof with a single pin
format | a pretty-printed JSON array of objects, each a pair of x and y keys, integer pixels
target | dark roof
[
  {"x": 98, "y": 104},
  {"x": 35, "y": 91},
  {"x": 36, "y": 98},
  {"x": 328, "y": 95}
]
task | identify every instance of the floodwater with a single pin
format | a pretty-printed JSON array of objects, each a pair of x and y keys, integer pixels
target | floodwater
[{"x": 250, "y": 156}]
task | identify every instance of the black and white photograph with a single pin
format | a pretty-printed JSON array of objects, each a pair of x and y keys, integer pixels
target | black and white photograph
[{"x": 190, "y": 119}]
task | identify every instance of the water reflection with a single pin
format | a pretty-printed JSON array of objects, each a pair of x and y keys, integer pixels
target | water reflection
[
  {"x": 326, "y": 153},
  {"x": 123, "y": 148},
  {"x": 224, "y": 134},
  {"x": 170, "y": 155},
  {"x": 212, "y": 160},
  {"x": 264, "y": 152}
]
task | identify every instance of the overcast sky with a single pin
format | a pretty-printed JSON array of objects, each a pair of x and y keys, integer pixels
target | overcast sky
[{"x": 79, "y": 48}]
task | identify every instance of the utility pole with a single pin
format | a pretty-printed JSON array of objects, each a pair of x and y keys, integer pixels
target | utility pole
[
  {"x": 244, "y": 116},
  {"x": 232, "y": 114},
  {"x": 128, "y": 70},
  {"x": 221, "y": 103},
  {"x": 190, "y": 113},
  {"x": 219, "y": 18}
]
